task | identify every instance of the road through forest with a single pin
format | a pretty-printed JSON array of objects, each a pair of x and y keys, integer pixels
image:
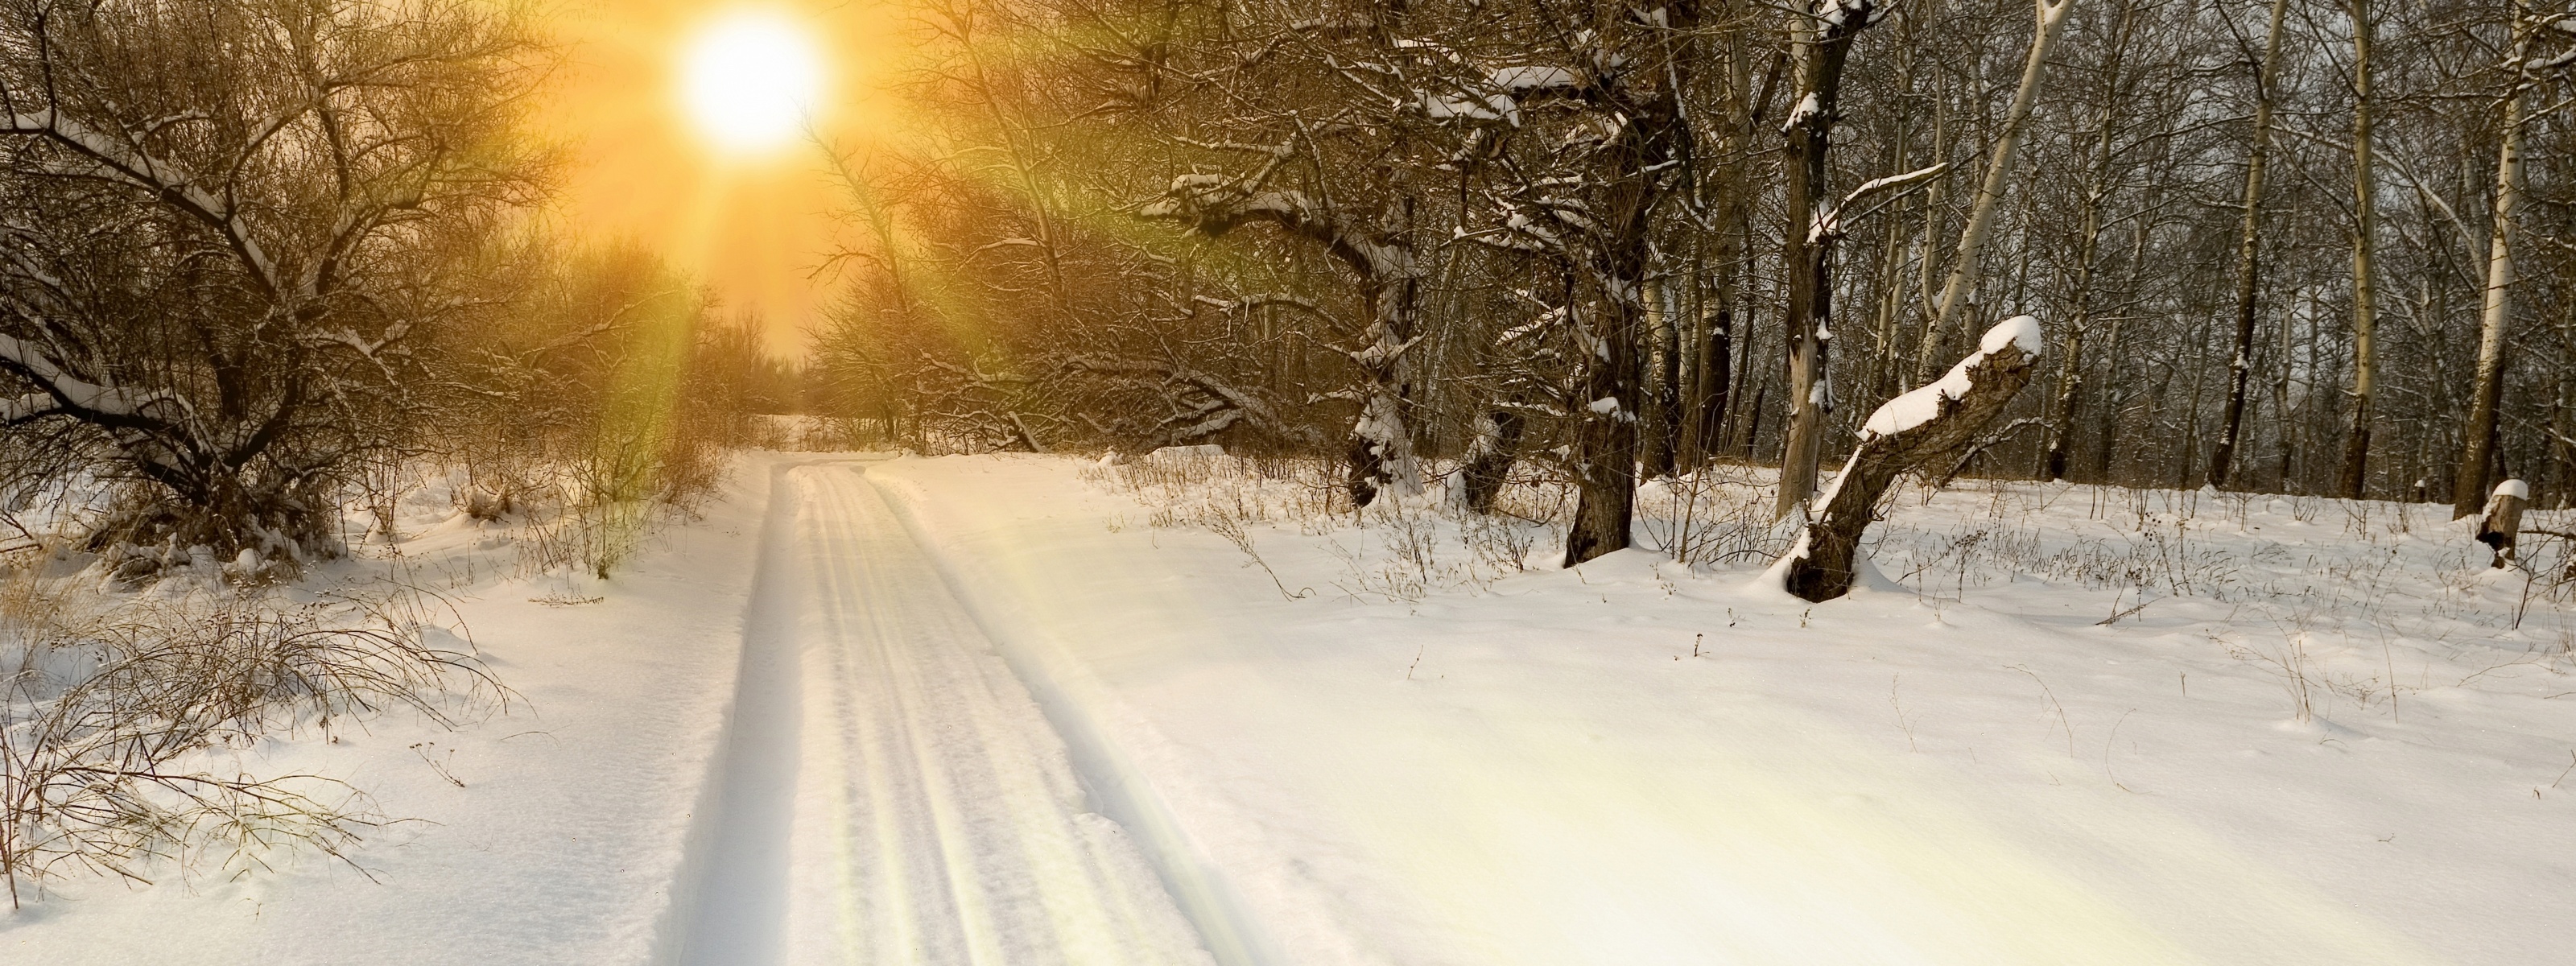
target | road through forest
[{"x": 888, "y": 791}]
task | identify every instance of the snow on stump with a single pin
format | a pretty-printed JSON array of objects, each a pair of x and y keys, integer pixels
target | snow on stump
[
  {"x": 1908, "y": 432},
  {"x": 2501, "y": 524}
]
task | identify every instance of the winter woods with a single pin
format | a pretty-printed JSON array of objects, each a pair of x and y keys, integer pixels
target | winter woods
[
  {"x": 2307, "y": 247},
  {"x": 222, "y": 258}
]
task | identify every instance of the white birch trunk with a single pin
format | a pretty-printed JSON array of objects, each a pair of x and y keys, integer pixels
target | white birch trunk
[{"x": 1999, "y": 172}]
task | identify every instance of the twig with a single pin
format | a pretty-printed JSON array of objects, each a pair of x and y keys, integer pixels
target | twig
[
  {"x": 2106, "y": 752},
  {"x": 1895, "y": 702},
  {"x": 2116, "y": 614},
  {"x": 2053, "y": 703}
]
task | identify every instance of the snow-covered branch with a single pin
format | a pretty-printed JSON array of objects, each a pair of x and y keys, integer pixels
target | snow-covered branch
[
  {"x": 68, "y": 394},
  {"x": 1215, "y": 204},
  {"x": 1829, "y": 222},
  {"x": 164, "y": 179}
]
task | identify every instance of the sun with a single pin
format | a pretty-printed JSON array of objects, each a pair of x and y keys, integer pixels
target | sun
[{"x": 751, "y": 82}]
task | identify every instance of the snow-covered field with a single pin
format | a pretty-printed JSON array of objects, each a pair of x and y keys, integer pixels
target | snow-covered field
[
  {"x": 549, "y": 834},
  {"x": 1029, "y": 709}
]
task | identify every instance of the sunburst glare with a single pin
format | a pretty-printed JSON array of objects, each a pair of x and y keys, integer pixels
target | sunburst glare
[{"x": 751, "y": 81}]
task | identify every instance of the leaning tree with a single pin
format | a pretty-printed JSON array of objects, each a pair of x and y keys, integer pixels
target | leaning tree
[{"x": 228, "y": 231}]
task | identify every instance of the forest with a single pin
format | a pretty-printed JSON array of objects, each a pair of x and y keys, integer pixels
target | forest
[
  {"x": 1253, "y": 483},
  {"x": 2316, "y": 248}
]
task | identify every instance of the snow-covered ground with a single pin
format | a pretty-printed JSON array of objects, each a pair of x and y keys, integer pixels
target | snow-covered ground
[
  {"x": 1635, "y": 762},
  {"x": 1027, "y": 709},
  {"x": 549, "y": 834}
]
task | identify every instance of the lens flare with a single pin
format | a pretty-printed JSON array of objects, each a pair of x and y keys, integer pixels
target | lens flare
[{"x": 752, "y": 82}]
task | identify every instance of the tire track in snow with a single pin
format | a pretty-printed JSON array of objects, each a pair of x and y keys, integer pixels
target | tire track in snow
[
  {"x": 934, "y": 816},
  {"x": 729, "y": 897},
  {"x": 1225, "y": 928}
]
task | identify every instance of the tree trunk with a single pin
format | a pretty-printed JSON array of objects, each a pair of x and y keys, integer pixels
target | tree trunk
[
  {"x": 2562, "y": 418},
  {"x": 2477, "y": 444},
  {"x": 2354, "y": 474},
  {"x": 2240, "y": 365},
  {"x": 1898, "y": 438},
  {"x": 1821, "y": 46},
  {"x": 1715, "y": 280},
  {"x": 1659, "y": 409},
  {"x": 1706, "y": 434},
  {"x": 2051, "y": 20},
  {"x": 1488, "y": 462},
  {"x": 2070, "y": 360},
  {"x": 1605, "y": 435}
]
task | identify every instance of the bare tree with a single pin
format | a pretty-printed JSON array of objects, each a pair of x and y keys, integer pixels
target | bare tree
[
  {"x": 1824, "y": 36},
  {"x": 2240, "y": 366},
  {"x": 1379, "y": 256},
  {"x": 2355, "y": 472},
  {"x": 2477, "y": 438},
  {"x": 230, "y": 230},
  {"x": 2050, "y": 20}
]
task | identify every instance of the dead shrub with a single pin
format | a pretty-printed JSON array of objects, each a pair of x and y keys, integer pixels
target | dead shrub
[{"x": 123, "y": 721}]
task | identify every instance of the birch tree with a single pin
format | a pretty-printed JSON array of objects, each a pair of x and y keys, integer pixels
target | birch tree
[
  {"x": 2240, "y": 365},
  {"x": 2354, "y": 473},
  {"x": 2478, "y": 437},
  {"x": 2050, "y": 20}
]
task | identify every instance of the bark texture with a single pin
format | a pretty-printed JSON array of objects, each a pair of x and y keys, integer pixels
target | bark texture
[{"x": 1807, "y": 244}]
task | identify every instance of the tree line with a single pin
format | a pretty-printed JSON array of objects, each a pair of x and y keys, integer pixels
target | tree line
[{"x": 2313, "y": 246}]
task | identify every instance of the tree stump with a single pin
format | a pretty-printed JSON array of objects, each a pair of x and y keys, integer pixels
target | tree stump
[
  {"x": 1911, "y": 430},
  {"x": 2501, "y": 524}
]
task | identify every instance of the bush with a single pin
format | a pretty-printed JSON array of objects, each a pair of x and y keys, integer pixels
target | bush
[{"x": 120, "y": 716}]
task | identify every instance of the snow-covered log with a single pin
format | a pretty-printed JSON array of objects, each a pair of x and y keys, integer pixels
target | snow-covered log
[{"x": 1908, "y": 432}]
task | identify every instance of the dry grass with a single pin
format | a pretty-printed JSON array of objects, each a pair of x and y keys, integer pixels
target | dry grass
[{"x": 126, "y": 722}]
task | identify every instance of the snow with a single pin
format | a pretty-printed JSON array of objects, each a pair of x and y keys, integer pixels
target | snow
[
  {"x": 565, "y": 840},
  {"x": 1492, "y": 107},
  {"x": 773, "y": 740},
  {"x": 1805, "y": 110},
  {"x": 1923, "y": 404},
  {"x": 2516, "y": 489},
  {"x": 1018, "y": 708},
  {"x": 1835, "y": 13},
  {"x": 24, "y": 407},
  {"x": 1533, "y": 768}
]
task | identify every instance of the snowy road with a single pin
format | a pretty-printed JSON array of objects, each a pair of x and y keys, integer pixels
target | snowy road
[{"x": 889, "y": 793}]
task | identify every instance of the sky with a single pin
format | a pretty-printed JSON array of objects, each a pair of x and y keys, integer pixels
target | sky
[{"x": 639, "y": 166}]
